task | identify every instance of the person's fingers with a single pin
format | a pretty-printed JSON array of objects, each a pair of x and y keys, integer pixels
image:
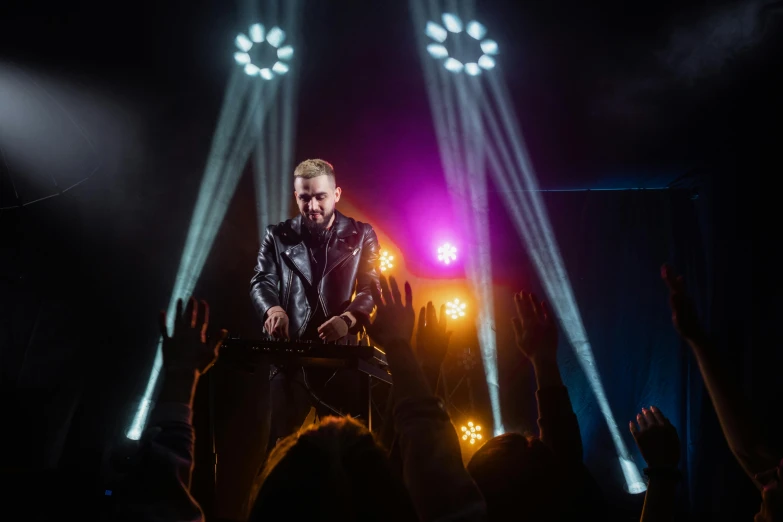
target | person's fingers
[
  {"x": 432, "y": 319},
  {"x": 408, "y": 296},
  {"x": 633, "y": 428},
  {"x": 422, "y": 320},
  {"x": 658, "y": 414},
  {"x": 534, "y": 304},
  {"x": 666, "y": 275},
  {"x": 642, "y": 421},
  {"x": 204, "y": 320},
  {"x": 285, "y": 327},
  {"x": 517, "y": 325},
  {"x": 376, "y": 295},
  {"x": 395, "y": 291},
  {"x": 191, "y": 312},
  {"x": 443, "y": 318},
  {"x": 222, "y": 335},
  {"x": 386, "y": 294},
  {"x": 649, "y": 416},
  {"x": 164, "y": 331},
  {"x": 522, "y": 306},
  {"x": 276, "y": 324},
  {"x": 178, "y": 326},
  {"x": 203, "y": 313}
]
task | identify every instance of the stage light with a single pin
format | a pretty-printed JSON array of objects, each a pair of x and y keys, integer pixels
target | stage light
[
  {"x": 455, "y": 309},
  {"x": 254, "y": 115},
  {"x": 461, "y": 143},
  {"x": 436, "y": 32},
  {"x": 386, "y": 261},
  {"x": 437, "y": 51},
  {"x": 486, "y": 62},
  {"x": 243, "y": 42},
  {"x": 489, "y": 47},
  {"x": 280, "y": 68},
  {"x": 453, "y": 65},
  {"x": 471, "y": 433},
  {"x": 285, "y": 53},
  {"x": 476, "y": 30},
  {"x": 453, "y": 24},
  {"x": 275, "y": 38},
  {"x": 472, "y": 69},
  {"x": 447, "y": 253},
  {"x": 257, "y": 33}
]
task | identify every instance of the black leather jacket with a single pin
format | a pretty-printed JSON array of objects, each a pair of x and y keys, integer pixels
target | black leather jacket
[{"x": 283, "y": 274}]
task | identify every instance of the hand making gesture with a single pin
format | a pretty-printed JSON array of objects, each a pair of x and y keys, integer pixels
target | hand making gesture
[
  {"x": 657, "y": 439},
  {"x": 535, "y": 328},
  {"x": 188, "y": 350},
  {"x": 432, "y": 339},
  {"x": 394, "y": 319}
]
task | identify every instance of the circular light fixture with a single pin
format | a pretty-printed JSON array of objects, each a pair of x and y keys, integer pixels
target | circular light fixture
[
  {"x": 447, "y": 253},
  {"x": 455, "y": 309},
  {"x": 258, "y": 36},
  {"x": 386, "y": 261},
  {"x": 475, "y": 30},
  {"x": 471, "y": 433}
]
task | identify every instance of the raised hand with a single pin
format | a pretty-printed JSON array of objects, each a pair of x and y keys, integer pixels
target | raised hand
[
  {"x": 188, "y": 349},
  {"x": 684, "y": 315},
  {"x": 535, "y": 328},
  {"x": 656, "y": 438},
  {"x": 394, "y": 319},
  {"x": 432, "y": 339}
]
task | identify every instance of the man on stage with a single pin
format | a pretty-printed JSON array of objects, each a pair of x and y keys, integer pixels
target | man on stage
[{"x": 312, "y": 283}]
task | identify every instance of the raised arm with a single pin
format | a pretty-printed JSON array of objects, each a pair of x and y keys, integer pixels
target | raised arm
[
  {"x": 158, "y": 487},
  {"x": 439, "y": 485},
  {"x": 660, "y": 446},
  {"x": 536, "y": 336},
  {"x": 432, "y": 342},
  {"x": 742, "y": 432}
]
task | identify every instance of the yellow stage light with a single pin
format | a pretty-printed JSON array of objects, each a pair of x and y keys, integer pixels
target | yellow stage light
[{"x": 386, "y": 261}]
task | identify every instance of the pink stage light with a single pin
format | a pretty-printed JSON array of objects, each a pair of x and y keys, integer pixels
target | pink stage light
[{"x": 447, "y": 253}]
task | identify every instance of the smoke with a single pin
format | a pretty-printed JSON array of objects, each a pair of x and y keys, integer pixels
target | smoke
[{"x": 702, "y": 47}]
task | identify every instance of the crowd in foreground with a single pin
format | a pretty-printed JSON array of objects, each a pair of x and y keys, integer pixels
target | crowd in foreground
[{"x": 337, "y": 470}]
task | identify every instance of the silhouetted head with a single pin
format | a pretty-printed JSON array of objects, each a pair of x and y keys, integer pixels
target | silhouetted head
[
  {"x": 330, "y": 471},
  {"x": 522, "y": 479}
]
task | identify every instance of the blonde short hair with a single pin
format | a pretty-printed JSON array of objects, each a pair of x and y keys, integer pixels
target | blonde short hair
[{"x": 312, "y": 168}]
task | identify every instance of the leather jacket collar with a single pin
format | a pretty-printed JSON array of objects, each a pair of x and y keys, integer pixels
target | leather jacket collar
[
  {"x": 340, "y": 246},
  {"x": 343, "y": 227}
]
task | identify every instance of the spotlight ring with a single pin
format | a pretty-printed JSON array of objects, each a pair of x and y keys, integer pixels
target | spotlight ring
[
  {"x": 259, "y": 36},
  {"x": 453, "y": 24}
]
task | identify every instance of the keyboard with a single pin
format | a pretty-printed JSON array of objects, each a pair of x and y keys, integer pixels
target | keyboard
[{"x": 368, "y": 359}]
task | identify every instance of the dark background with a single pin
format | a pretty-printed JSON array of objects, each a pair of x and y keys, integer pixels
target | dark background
[{"x": 610, "y": 95}]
